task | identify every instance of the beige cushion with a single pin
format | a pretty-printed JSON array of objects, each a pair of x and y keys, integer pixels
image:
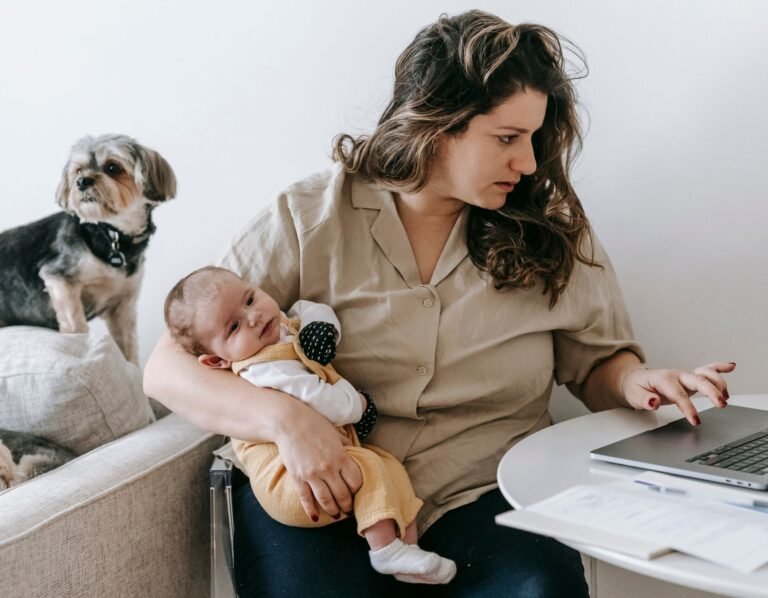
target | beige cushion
[{"x": 74, "y": 389}]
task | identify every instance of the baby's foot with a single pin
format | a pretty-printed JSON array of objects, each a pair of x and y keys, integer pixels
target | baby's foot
[{"x": 411, "y": 564}]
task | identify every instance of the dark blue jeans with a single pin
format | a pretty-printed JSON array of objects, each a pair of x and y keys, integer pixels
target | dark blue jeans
[{"x": 272, "y": 559}]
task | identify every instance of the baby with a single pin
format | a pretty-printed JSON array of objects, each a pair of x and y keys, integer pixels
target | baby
[{"x": 229, "y": 323}]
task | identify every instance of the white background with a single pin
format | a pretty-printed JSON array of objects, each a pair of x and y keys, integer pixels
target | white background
[{"x": 243, "y": 98}]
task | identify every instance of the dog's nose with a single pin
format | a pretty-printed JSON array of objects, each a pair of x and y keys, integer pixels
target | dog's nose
[{"x": 84, "y": 182}]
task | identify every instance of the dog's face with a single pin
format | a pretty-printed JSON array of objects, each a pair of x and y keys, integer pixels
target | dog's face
[{"x": 110, "y": 175}]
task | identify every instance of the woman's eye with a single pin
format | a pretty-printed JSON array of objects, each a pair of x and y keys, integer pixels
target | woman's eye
[
  {"x": 506, "y": 139},
  {"x": 113, "y": 169}
]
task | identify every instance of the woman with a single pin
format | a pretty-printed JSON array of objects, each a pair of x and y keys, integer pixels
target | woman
[{"x": 464, "y": 273}]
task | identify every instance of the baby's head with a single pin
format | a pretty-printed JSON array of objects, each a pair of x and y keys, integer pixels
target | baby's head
[{"x": 220, "y": 317}]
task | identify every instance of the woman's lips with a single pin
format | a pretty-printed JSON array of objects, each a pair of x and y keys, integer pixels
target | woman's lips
[{"x": 505, "y": 186}]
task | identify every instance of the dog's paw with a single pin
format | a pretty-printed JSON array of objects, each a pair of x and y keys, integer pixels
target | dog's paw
[
  {"x": 7, "y": 468},
  {"x": 73, "y": 328}
]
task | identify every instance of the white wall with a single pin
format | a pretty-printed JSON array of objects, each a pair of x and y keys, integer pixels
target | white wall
[{"x": 244, "y": 98}]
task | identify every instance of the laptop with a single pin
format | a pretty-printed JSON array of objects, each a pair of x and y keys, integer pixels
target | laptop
[{"x": 730, "y": 446}]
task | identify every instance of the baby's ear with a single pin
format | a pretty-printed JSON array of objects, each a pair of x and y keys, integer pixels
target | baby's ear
[{"x": 214, "y": 361}]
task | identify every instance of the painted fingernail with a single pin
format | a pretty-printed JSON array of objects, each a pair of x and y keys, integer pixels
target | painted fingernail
[
  {"x": 732, "y": 362},
  {"x": 315, "y": 518},
  {"x": 722, "y": 403},
  {"x": 336, "y": 517},
  {"x": 652, "y": 403},
  {"x": 726, "y": 395},
  {"x": 696, "y": 420}
]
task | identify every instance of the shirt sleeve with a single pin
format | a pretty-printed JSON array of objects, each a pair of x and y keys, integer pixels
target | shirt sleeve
[
  {"x": 597, "y": 323},
  {"x": 339, "y": 403},
  {"x": 309, "y": 311},
  {"x": 267, "y": 253}
]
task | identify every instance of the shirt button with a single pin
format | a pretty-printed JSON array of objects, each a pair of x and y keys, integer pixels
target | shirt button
[
  {"x": 421, "y": 371},
  {"x": 427, "y": 303}
]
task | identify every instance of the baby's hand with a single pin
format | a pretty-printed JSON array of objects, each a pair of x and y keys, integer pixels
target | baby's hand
[
  {"x": 368, "y": 420},
  {"x": 318, "y": 340}
]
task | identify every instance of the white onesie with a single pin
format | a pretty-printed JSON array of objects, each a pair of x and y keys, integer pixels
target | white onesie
[{"x": 340, "y": 403}]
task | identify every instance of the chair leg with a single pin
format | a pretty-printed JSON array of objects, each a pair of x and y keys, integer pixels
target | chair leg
[{"x": 222, "y": 530}]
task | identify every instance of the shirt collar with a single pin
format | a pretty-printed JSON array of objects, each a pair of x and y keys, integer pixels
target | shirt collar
[{"x": 389, "y": 234}]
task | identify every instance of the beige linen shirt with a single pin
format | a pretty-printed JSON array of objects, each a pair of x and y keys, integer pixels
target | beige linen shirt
[{"x": 459, "y": 371}]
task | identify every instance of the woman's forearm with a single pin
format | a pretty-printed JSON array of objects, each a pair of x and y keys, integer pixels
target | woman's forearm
[
  {"x": 218, "y": 401},
  {"x": 215, "y": 400},
  {"x": 602, "y": 388}
]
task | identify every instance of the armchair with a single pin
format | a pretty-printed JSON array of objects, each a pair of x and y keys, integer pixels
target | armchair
[{"x": 128, "y": 518}]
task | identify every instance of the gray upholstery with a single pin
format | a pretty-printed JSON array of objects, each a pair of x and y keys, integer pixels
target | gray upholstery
[{"x": 129, "y": 518}]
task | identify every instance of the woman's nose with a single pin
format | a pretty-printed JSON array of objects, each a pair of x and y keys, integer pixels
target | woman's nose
[{"x": 525, "y": 161}]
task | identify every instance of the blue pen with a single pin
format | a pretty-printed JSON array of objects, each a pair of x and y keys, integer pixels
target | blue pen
[
  {"x": 757, "y": 506},
  {"x": 662, "y": 489}
]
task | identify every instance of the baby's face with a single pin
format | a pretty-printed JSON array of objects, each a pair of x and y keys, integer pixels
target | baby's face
[{"x": 240, "y": 321}]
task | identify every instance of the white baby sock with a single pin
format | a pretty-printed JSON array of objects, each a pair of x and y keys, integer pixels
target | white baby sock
[{"x": 411, "y": 564}]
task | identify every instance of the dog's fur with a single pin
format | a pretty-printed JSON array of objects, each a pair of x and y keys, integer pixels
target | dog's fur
[
  {"x": 23, "y": 456},
  {"x": 87, "y": 261}
]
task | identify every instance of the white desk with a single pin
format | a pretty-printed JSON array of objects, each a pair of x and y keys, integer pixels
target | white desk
[{"x": 557, "y": 458}]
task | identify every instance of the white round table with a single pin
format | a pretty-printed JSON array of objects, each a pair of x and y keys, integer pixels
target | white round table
[{"x": 557, "y": 458}]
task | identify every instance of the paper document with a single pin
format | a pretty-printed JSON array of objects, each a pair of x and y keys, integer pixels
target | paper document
[
  {"x": 638, "y": 520},
  {"x": 531, "y": 521}
]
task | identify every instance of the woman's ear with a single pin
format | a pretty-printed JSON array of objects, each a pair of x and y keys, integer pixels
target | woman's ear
[{"x": 214, "y": 361}]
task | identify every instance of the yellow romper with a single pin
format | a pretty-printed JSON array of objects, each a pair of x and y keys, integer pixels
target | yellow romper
[{"x": 386, "y": 492}]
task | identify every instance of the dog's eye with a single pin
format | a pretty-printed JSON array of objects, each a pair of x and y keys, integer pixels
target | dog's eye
[{"x": 113, "y": 169}]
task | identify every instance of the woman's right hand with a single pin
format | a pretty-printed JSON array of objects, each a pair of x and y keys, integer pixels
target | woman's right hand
[
  {"x": 323, "y": 473},
  {"x": 218, "y": 401}
]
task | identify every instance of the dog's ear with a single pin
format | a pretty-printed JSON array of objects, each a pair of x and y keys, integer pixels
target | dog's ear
[
  {"x": 154, "y": 175},
  {"x": 63, "y": 189}
]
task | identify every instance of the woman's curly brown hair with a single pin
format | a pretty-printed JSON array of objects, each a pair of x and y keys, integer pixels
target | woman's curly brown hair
[{"x": 452, "y": 71}]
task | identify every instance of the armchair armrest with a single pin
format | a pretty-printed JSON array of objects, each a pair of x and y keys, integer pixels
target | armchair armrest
[{"x": 128, "y": 518}]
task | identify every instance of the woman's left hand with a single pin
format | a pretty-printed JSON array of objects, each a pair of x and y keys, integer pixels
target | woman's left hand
[{"x": 649, "y": 389}]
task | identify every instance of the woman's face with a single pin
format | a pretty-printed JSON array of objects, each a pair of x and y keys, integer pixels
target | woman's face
[{"x": 483, "y": 163}]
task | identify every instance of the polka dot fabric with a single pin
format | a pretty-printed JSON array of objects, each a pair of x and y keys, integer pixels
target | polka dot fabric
[
  {"x": 318, "y": 340},
  {"x": 366, "y": 423}
]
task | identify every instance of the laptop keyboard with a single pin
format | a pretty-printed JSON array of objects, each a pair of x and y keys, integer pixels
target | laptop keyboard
[{"x": 749, "y": 454}]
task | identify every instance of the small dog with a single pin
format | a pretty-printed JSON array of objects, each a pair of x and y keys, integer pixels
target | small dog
[
  {"x": 23, "y": 456},
  {"x": 63, "y": 270}
]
